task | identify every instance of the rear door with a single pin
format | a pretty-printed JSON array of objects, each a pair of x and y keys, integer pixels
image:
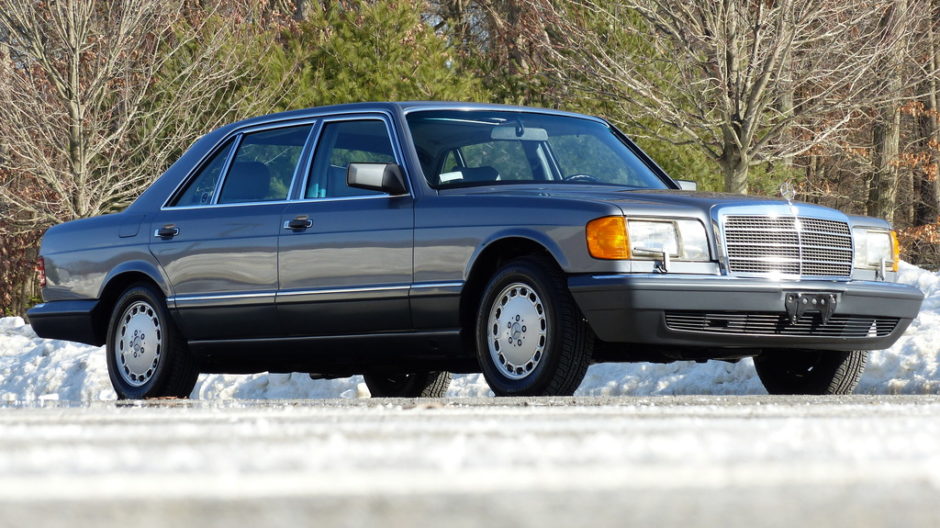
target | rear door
[
  {"x": 346, "y": 268},
  {"x": 217, "y": 237}
]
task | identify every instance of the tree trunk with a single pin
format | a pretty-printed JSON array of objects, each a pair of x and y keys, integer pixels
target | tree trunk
[
  {"x": 785, "y": 106},
  {"x": 300, "y": 10},
  {"x": 886, "y": 135},
  {"x": 927, "y": 200},
  {"x": 734, "y": 167},
  {"x": 734, "y": 161},
  {"x": 882, "y": 194},
  {"x": 927, "y": 183}
]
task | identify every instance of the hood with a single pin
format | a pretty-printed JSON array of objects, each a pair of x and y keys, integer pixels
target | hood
[{"x": 643, "y": 201}]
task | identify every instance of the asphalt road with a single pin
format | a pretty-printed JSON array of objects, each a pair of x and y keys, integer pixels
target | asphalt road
[{"x": 662, "y": 461}]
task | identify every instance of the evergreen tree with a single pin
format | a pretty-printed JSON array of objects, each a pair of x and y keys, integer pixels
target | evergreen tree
[{"x": 366, "y": 51}]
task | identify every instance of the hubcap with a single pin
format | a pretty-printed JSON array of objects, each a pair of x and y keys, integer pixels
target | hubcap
[
  {"x": 517, "y": 330},
  {"x": 139, "y": 343}
]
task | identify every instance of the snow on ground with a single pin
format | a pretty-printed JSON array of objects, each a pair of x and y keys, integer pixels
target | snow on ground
[{"x": 40, "y": 369}]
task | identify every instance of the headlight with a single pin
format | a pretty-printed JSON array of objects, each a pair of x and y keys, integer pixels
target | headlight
[
  {"x": 612, "y": 237},
  {"x": 872, "y": 246}
]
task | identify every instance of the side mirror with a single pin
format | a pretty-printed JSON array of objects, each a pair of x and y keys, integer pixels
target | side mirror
[
  {"x": 687, "y": 185},
  {"x": 382, "y": 177}
]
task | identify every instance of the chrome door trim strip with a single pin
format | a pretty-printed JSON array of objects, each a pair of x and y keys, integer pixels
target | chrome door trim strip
[
  {"x": 432, "y": 289},
  {"x": 221, "y": 299},
  {"x": 328, "y": 291},
  {"x": 453, "y": 284},
  {"x": 396, "y": 291},
  {"x": 426, "y": 288}
]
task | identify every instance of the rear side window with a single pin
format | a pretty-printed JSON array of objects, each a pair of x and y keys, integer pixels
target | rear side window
[
  {"x": 264, "y": 165},
  {"x": 340, "y": 144},
  {"x": 200, "y": 189}
]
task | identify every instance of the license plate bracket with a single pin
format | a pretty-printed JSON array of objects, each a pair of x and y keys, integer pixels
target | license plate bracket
[{"x": 799, "y": 303}]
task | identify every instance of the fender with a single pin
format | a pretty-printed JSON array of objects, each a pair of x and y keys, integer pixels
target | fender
[
  {"x": 150, "y": 269},
  {"x": 533, "y": 235}
]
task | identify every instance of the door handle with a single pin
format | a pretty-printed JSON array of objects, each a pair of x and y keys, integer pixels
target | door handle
[
  {"x": 167, "y": 231},
  {"x": 298, "y": 223}
]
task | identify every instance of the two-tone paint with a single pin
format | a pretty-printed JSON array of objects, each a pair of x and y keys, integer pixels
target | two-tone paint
[{"x": 394, "y": 279}]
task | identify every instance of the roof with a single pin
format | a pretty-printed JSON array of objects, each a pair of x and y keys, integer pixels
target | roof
[{"x": 394, "y": 107}]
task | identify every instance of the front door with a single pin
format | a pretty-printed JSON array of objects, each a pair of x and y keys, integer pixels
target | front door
[{"x": 345, "y": 254}]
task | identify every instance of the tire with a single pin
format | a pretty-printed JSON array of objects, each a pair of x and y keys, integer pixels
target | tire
[
  {"x": 540, "y": 345},
  {"x": 410, "y": 385},
  {"x": 810, "y": 371},
  {"x": 155, "y": 362}
]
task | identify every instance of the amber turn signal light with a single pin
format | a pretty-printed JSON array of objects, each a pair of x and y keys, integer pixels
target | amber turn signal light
[
  {"x": 607, "y": 238},
  {"x": 895, "y": 251}
]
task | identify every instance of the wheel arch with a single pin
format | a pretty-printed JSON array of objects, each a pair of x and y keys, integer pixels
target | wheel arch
[
  {"x": 490, "y": 256},
  {"x": 117, "y": 281}
]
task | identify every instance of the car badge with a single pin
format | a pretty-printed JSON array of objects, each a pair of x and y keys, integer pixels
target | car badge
[{"x": 788, "y": 190}]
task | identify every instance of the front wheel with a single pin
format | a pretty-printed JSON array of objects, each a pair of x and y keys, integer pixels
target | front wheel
[
  {"x": 810, "y": 371},
  {"x": 409, "y": 385},
  {"x": 147, "y": 357},
  {"x": 531, "y": 338}
]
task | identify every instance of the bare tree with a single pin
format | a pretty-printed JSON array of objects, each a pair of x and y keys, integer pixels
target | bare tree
[
  {"x": 746, "y": 81},
  {"x": 886, "y": 132},
  {"x": 100, "y": 95},
  {"x": 927, "y": 204}
]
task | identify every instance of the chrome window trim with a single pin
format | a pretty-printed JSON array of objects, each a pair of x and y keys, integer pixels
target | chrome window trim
[
  {"x": 386, "y": 119},
  {"x": 347, "y": 198},
  {"x": 236, "y": 144},
  {"x": 317, "y": 119},
  {"x": 622, "y": 137},
  {"x": 237, "y": 134},
  {"x": 470, "y": 107},
  {"x": 220, "y": 206},
  {"x": 197, "y": 168}
]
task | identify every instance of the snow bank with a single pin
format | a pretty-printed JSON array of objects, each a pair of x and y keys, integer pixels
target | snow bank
[{"x": 36, "y": 369}]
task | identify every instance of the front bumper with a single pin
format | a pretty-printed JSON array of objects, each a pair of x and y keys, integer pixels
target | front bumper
[{"x": 632, "y": 308}]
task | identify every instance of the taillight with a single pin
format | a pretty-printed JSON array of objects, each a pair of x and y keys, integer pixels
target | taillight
[{"x": 41, "y": 271}]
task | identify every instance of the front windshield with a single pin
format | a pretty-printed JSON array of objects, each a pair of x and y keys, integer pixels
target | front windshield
[{"x": 462, "y": 147}]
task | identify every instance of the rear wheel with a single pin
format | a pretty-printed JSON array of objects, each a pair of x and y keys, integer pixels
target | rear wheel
[
  {"x": 147, "y": 357},
  {"x": 409, "y": 385},
  {"x": 531, "y": 338},
  {"x": 810, "y": 371}
]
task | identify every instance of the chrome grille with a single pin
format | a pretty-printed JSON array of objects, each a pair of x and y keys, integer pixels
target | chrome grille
[
  {"x": 775, "y": 323},
  {"x": 788, "y": 245}
]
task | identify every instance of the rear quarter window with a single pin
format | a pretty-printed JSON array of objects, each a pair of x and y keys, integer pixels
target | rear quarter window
[{"x": 200, "y": 189}]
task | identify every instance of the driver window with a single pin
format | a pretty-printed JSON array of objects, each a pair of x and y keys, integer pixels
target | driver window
[{"x": 342, "y": 143}]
